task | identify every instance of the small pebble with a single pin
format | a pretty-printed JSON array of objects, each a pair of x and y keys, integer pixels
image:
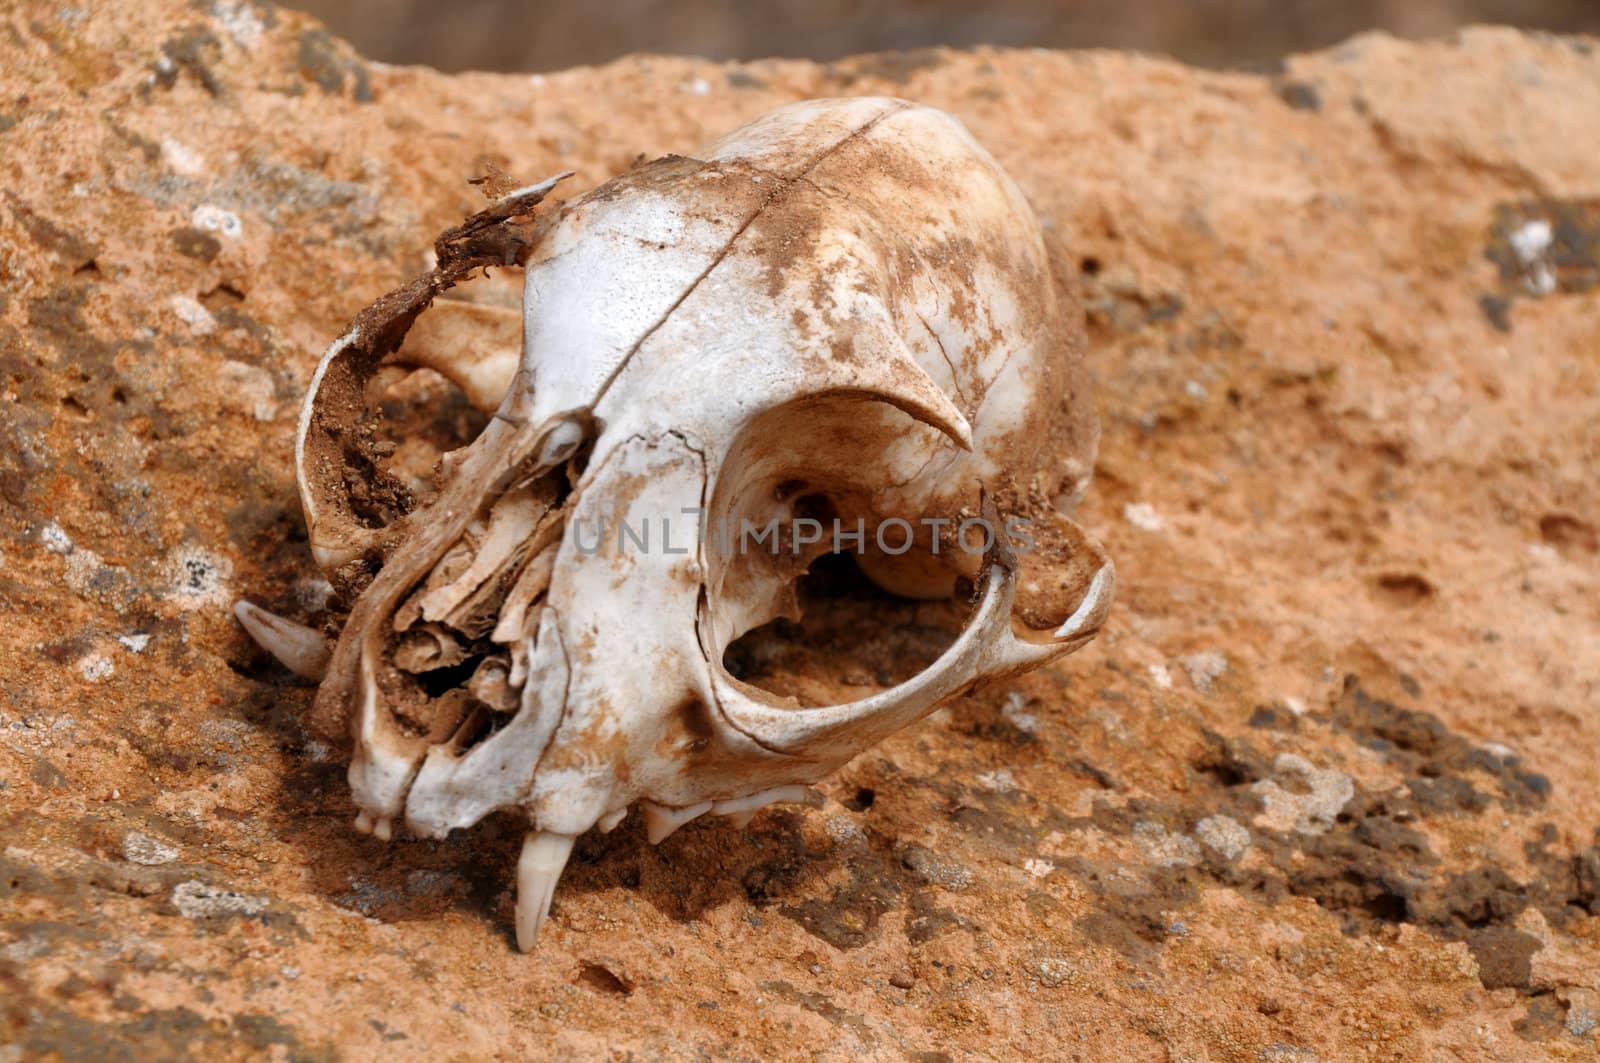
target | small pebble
[{"x": 902, "y": 980}]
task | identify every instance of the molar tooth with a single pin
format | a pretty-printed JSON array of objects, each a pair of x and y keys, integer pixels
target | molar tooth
[
  {"x": 741, "y": 810},
  {"x": 660, "y": 820},
  {"x": 300, "y": 649},
  {"x": 544, "y": 855}
]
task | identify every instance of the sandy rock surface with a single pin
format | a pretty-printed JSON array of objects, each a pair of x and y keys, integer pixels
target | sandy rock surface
[{"x": 1325, "y": 789}]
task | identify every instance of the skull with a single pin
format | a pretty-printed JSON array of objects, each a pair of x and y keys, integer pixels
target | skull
[{"x": 832, "y": 334}]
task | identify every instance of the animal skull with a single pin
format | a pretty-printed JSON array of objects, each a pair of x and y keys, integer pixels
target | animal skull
[{"x": 843, "y": 309}]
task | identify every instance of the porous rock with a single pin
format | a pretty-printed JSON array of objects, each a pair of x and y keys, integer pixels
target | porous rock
[{"x": 1346, "y": 352}]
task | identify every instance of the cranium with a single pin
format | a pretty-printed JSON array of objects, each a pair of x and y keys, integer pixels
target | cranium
[{"x": 841, "y": 312}]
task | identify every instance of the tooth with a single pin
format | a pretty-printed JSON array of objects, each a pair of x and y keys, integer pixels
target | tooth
[
  {"x": 741, "y": 810},
  {"x": 383, "y": 830},
  {"x": 363, "y": 823},
  {"x": 609, "y": 821},
  {"x": 301, "y": 650},
  {"x": 544, "y": 855},
  {"x": 660, "y": 820}
]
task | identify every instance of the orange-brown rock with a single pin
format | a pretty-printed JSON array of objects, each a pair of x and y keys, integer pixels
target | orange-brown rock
[{"x": 1325, "y": 788}]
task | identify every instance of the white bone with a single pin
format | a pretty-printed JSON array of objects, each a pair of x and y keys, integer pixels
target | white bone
[
  {"x": 298, "y": 648},
  {"x": 1091, "y": 612},
  {"x": 741, "y": 810},
  {"x": 453, "y": 789},
  {"x": 531, "y": 583},
  {"x": 538, "y": 189},
  {"x": 544, "y": 857},
  {"x": 491, "y": 684},
  {"x": 426, "y": 648},
  {"x": 560, "y": 444},
  {"x": 474, "y": 346},
  {"x": 511, "y": 525}
]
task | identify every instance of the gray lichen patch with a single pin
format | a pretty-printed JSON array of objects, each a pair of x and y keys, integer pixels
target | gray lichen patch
[{"x": 1540, "y": 248}]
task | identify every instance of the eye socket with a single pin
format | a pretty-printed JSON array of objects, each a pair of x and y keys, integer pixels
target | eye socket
[
  {"x": 820, "y": 621},
  {"x": 851, "y": 640}
]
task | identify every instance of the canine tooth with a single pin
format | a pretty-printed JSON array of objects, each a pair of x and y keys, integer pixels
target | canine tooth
[
  {"x": 609, "y": 821},
  {"x": 741, "y": 810},
  {"x": 300, "y": 649},
  {"x": 661, "y": 820},
  {"x": 363, "y": 823},
  {"x": 544, "y": 855}
]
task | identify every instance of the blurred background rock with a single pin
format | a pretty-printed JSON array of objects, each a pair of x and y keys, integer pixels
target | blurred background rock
[{"x": 548, "y": 35}]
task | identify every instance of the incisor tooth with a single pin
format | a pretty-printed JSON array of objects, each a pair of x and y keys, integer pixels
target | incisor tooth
[
  {"x": 544, "y": 855},
  {"x": 363, "y": 823},
  {"x": 301, "y": 650}
]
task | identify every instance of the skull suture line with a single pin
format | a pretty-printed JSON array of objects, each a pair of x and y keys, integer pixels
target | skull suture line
[{"x": 843, "y": 309}]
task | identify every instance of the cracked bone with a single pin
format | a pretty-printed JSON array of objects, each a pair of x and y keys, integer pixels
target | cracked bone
[
  {"x": 699, "y": 336},
  {"x": 298, "y": 648}
]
